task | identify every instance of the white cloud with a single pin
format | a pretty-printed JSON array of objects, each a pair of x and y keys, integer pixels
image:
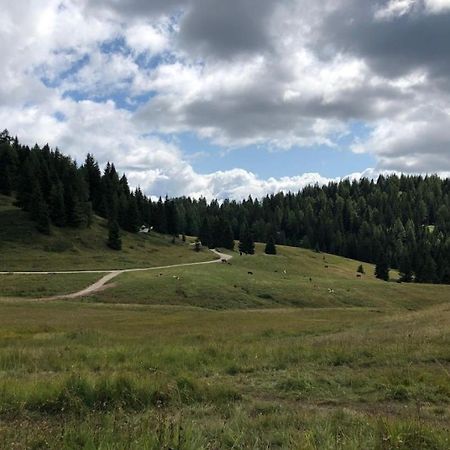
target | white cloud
[
  {"x": 395, "y": 8},
  {"x": 437, "y": 6},
  {"x": 144, "y": 38},
  {"x": 280, "y": 91}
]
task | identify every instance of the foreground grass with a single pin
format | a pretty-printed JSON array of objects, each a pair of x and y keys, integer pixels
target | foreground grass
[
  {"x": 22, "y": 248},
  {"x": 38, "y": 286},
  {"x": 76, "y": 375}
]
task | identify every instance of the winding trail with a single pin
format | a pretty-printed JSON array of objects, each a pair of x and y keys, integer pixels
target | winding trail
[{"x": 99, "y": 285}]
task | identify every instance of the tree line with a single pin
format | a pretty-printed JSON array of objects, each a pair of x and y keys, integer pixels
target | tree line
[{"x": 400, "y": 222}]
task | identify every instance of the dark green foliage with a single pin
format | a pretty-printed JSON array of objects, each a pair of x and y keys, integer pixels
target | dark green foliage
[
  {"x": 382, "y": 268},
  {"x": 132, "y": 216},
  {"x": 246, "y": 242},
  {"x": 171, "y": 217},
  {"x": 221, "y": 234},
  {"x": 39, "y": 210},
  {"x": 270, "y": 248},
  {"x": 8, "y": 164},
  {"x": 57, "y": 207},
  {"x": 205, "y": 236},
  {"x": 114, "y": 240},
  {"x": 227, "y": 236},
  {"x": 360, "y": 269},
  {"x": 406, "y": 268}
]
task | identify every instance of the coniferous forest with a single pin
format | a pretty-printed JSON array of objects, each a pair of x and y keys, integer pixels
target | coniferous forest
[{"x": 400, "y": 222}]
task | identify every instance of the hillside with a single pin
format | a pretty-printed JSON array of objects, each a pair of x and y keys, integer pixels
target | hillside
[
  {"x": 294, "y": 278},
  {"x": 23, "y": 248},
  {"x": 292, "y": 350}
]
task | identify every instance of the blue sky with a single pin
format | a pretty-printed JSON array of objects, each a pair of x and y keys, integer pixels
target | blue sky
[
  {"x": 266, "y": 162},
  {"x": 213, "y": 98}
]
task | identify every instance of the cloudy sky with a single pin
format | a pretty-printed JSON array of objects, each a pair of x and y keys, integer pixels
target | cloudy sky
[{"x": 231, "y": 98}]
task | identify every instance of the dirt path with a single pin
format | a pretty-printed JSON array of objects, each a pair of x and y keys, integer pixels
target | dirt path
[{"x": 110, "y": 274}]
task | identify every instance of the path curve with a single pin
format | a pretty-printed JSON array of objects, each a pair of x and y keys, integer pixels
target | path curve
[{"x": 110, "y": 274}]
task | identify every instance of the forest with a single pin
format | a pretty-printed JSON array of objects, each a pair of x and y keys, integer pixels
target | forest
[{"x": 400, "y": 222}]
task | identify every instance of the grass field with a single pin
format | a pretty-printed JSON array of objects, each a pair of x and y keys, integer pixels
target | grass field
[
  {"x": 294, "y": 355},
  {"x": 293, "y": 278},
  {"x": 37, "y": 286},
  {"x": 77, "y": 375}
]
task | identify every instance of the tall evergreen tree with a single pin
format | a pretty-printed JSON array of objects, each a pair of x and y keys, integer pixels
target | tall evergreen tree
[
  {"x": 205, "y": 236},
  {"x": 270, "y": 248},
  {"x": 114, "y": 240},
  {"x": 246, "y": 243},
  {"x": 382, "y": 268},
  {"x": 57, "y": 207},
  {"x": 406, "y": 267}
]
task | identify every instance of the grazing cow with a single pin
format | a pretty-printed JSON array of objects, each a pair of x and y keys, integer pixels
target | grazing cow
[
  {"x": 250, "y": 273},
  {"x": 310, "y": 279},
  {"x": 358, "y": 275},
  {"x": 224, "y": 260},
  {"x": 326, "y": 267}
]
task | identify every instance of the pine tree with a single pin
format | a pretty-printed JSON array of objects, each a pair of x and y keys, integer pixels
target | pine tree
[
  {"x": 39, "y": 210},
  {"x": 114, "y": 240},
  {"x": 360, "y": 269},
  {"x": 57, "y": 208},
  {"x": 132, "y": 216},
  {"x": 270, "y": 248},
  {"x": 246, "y": 243},
  {"x": 93, "y": 178},
  {"x": 8, "y": 168},
  {"x": 227, "y": 236},
  {"x": 382, "y": 268},
  {"x": 205, "y": 234},
  {"x": 406, "y": 267},
  {"x": 171, "y": 217}
]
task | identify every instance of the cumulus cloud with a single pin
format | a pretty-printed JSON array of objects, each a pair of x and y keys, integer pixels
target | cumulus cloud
[
  {"x": 107, "y": 76},
  {"x": 226, "y": 29}
]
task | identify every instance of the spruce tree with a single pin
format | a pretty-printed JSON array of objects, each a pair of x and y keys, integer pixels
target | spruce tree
[
  {"x": 114, "y": 241},
  {"x": 132, "y": 216},
  {"x": 227, "y": 236},
  {"x": 171, "y": 217},
  {"x": 205, "y": 234},
  {"x": 406, "y": 267},
  {"x": 270, "y": 248},
  {"x": 39, "y": 210},
  {"x": 246, "y": 243},
  {"x": 57, "y": 208},
  {"x": 382, "y": 268}
]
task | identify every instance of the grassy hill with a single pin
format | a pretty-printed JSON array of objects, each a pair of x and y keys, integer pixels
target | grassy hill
[
  {"x": 292, "y": 351},
  {"x": 292, "y": 278},
  {"x": 22, "y": 248}
]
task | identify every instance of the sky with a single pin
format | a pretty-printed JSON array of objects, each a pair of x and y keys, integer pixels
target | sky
[{"x": 226, "y": 99}]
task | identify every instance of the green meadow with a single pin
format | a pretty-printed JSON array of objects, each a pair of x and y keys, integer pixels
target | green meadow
[{"x": 292, "y": 351}]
